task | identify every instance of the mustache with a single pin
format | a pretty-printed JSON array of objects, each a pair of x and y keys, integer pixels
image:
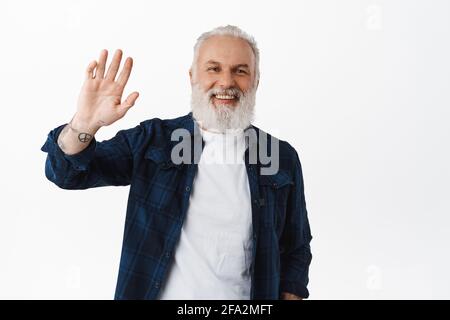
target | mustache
[{"x": 229, "y": 92}]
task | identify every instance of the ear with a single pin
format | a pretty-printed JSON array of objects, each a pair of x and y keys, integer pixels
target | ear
[{"x": 257, "y": 84}]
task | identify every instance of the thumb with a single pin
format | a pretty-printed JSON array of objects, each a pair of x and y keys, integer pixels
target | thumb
[{"x": 129, "y": 101}]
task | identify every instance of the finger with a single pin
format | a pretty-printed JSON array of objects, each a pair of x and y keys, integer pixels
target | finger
[
  {"x": 114, "y": 66},
  {"x": 125, "y": 73},
  {"x": 129, "y": 101},
  {"x": 100, "y": 73},
  {"x": 90, "y": 70}
]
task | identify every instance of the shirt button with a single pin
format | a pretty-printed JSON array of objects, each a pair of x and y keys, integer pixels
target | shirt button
[
  {"x": 157, "y": 284},
  {"x": 167, "y": 255},
  {"x": 188, "y": 188}
]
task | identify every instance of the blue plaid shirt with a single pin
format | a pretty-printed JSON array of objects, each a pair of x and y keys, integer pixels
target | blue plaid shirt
[{"x": 159, "y": 197}]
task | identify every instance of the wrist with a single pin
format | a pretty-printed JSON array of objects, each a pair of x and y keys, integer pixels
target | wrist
[{"x": 81, "y": 126}]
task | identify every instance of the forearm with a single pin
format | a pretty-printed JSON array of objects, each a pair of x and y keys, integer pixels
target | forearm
[
  {"x": 105, "y": 163},
  {"x": 295, "y": 242},
  {"x": 294, "y": 276}
]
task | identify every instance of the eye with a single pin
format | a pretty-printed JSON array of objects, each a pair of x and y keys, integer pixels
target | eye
[
  {"x": 213, "y": 69},
  {"x": 242, "y": 71}
]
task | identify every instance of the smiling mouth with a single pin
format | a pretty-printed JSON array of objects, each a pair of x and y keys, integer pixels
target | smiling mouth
[{"x": 224, "y": 98}]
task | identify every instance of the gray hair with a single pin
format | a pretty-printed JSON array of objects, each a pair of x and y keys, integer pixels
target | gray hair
[{"x": 228, "y": 30}]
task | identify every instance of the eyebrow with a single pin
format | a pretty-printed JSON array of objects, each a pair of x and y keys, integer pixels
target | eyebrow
[{"x": 241, "y": 65}]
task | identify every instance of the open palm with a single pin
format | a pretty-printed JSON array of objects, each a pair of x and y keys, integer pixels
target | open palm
[{"x": 100, "y": 100}]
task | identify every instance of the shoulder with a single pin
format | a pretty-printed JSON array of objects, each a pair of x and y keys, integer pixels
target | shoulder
[
  {"x": 288, "y": 156},
  {"x": 164, "y": 126},
  {"x": 154, "y": 132},
  {"x": 157, "y": 131}
]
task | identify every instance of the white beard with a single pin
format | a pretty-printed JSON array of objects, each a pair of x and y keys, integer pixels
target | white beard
[{"x": 222, "y": 117}]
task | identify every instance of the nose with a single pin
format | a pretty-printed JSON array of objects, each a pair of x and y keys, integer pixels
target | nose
[{"x": 226, "y": 80}]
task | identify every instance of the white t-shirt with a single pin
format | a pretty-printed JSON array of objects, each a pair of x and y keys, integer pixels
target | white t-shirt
[{"x": 213, "y": 257}]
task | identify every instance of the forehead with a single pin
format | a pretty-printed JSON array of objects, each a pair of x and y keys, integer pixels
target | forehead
[{"x": 226, "y": 50}]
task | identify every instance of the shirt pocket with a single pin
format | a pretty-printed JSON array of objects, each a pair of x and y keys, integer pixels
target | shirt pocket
[
  {"x": 274, "y": 194},
  {"x": 162, "y": 191}
]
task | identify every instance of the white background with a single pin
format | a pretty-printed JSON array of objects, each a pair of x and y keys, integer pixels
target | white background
[{"x": 361, "y": 88}]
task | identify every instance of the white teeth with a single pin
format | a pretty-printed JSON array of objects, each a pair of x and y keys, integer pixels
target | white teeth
[{"x": 224, "y": 97}]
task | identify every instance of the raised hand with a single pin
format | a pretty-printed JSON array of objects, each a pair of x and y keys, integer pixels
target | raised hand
[{"x": 100, "y": 101}]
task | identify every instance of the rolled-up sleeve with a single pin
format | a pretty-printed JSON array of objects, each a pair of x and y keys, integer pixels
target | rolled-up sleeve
[
  {"x": 295, "y": 241},
  {"x": 106, "y": 163}
]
